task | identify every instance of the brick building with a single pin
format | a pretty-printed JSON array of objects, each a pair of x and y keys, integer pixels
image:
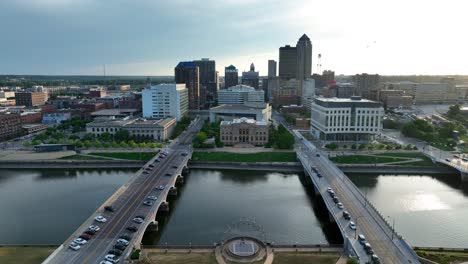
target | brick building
[
  {"x": 30, "y": 98},
  {"x": 10, "y": 126}
]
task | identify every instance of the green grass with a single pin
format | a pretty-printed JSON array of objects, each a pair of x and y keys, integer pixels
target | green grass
[
  {"x": 182, "y": 258},
  {"x": 80, "y": 157},
  {"x": 305, "y": 258},
  {"x": 24, "y": 255},
  {"x": 443, "y": 257},
  {"x": 250, "y": 157},
  {"x": 145, "y": 156},
  {"x": 361, "y": 159},
  {"x": 425, "y": 160}
]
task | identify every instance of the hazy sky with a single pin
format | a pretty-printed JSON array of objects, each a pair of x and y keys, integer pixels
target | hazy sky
[{"x": 149, "y": 37}]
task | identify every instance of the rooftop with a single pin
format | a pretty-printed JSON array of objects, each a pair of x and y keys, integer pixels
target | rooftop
[
  {"x": 239, "y": 88},
  {"x": 114, "y": 112},
  {"x": 244, "y": 120}
]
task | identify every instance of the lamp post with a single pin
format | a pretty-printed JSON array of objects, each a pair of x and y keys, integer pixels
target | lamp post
[{"x": 393, "y": 225}]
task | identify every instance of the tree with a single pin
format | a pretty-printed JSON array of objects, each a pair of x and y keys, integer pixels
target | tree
[
  {"x": 115, "y": 144},
  {"x": 389, "y": 147},
  {"x": 107, "y": 137},
  {"x": 87, "y": 144},
  {"x": 151, "y": 145},
  {"x": 362, "y": 146},
  {"x": 353, "y": 146},
  {"x": 106, "y": 144},
  {"x": 123, "y": 144},
  {"x": 97, "y": 144},
  {"x": 122, "y": 135},
  {"x": 75, "y": 137},
  {"x": 199, "y": 139},
  {"x": 453, "y": 111},
  {"x": 142, "y": 145},
  {"x": 26, "y": 144},
  {"x": 352, "y": 261},
  {"x": 79, "y": 144},
  {"x": 331, "y": 146}
]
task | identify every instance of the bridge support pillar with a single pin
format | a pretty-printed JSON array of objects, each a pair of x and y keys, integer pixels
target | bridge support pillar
[
  {"x": 164, "y": 207},
  {"x": 173, "y": 191},
  {"x": 316, "y": 191},
  {"x": 464, "y": 176},
  {"x": 185, "y": 171},
  {"x": 180, "y": 179},
  {"x": 153, "y": 226}
]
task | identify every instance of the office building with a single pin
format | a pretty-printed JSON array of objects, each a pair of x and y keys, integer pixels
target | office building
[
  {"x": 366, "y": 85},
  {"x": 259, "y": 112},
  {"x": 188, "y": 73},
  {"x": 271, "y": 68},
  {"x": 340, "y": 119},
  {"x": 30, "y": 99},
  {"x": 287, "y": 62},
  {"x": 398, "y": 101},
  {"x": 328, "y": 76},
  {"x": 240, "y": 94},
  {"x": 165, "y": 100},
  {"x": 244, "y": 131},
  {"x": 284, "y": 92},
  {"x": 159, "y": 130},
  {"x": 304, "y": 58},
  {"x": 251, "y": 78},
  {"x": 231, "y": 76},
  {"x": 31, "y": 117},
  {"x": 10, "y": 126},
  {"x": 209, "y": 84}
]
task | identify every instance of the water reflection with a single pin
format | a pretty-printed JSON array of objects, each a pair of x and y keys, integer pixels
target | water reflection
[{"x": 243, "y": 177}]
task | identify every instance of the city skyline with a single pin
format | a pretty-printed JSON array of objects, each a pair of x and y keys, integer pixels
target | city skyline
[{"x": 78, "y": 37}]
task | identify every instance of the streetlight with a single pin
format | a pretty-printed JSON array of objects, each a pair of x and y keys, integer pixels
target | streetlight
[{"x": 355, "y": 230}]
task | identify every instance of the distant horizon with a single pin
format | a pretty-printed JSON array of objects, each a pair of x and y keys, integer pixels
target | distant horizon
[{"x": 79, "y": 37}]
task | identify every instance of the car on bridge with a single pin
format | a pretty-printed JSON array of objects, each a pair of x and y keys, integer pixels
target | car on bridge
[
  {"x": 339, "y": 205},
  {"x": 122, "y": 241},
  {"x": 132, "y": 228},
  {"x": 90, "y": 232},
  {"x": 95, "y": 228},
  {"x": 100, "y": 219},
  {"x": 116, "y": 252},
  {"x": 184, "y": 154},
  {"x": 85, "y": 236},
  {"x": 168, "y": 175},
  {"x": 80, "y": 241},
  {"x": 126, "y": 237},
  {"x": 120, "y": 247},
  {"x": 74, "y": 246},
  {"x": 375, "y": 259},
  {"x": 112, "y": 258},
  {"x": 362, "y": 239},
  {"x": 109, "y": 208},
  {"x": 160, "y": 187},
  {"x": 152, "y": 197},
  {"x": 346, "y": 215},
  {"x": 174, "y": 167},
  {"x": 148, "y": 203},
  {"x": 105, "y": 262},
  {"x": 352, "y": 225},
  {"x": 138, "y": 220},
  {"x": 368, "y": 249}
]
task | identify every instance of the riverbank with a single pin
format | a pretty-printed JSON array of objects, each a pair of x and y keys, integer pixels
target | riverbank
[
  {"x": 275, "y": 156},
  {"x": 25, "y": 254}
]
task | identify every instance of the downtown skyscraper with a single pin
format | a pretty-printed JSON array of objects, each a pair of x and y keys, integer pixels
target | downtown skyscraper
[
  {"x": 231, "y": 76},
  {"x": 187, "y": 72}
]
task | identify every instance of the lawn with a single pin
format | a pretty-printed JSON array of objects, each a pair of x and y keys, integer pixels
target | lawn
[
  {"x": 24, "y": 255},
  {"x": 250, "y": 157},
  {"x": 145, "y": 156},
  {"x": 425, "y": 160},
  {"x": 80, "y": 157},
  {"x": 361, "y": 159},
  {"x": 182, "y": 258},
  {"x": 443, "y": 257},
  {"x": 305, "y": 258}
]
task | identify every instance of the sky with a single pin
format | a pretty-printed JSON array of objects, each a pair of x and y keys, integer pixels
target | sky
[{"x": 149, "y": 37}]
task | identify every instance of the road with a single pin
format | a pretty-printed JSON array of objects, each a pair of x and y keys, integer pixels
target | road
[{"x": 128, "y": 203}]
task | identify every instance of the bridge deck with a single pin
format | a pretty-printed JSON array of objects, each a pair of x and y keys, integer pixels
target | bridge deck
[{"x": 368, "y": 220}]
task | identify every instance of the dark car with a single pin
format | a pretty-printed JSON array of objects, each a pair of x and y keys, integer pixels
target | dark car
[
  {"x": 140, "y": 216},
  {"x": 319, "y": 175},
  {"x": 132, "y": 228},
  {"x": 184, "y": 154},
  {"x": 145, "y": 172},
  {"x": 168, "y": 175},
  {"x": 120, "y": 247},
  {"x": 335, "y": 200},
  {"x": 346, "y": 215},
  {"x": 151, "y": 165},
  {"x": 156, "y": 160},
  {"x": 85, "y": 236},
  {"x": 116, "y": 252},
  {"x": 368, "y": 249},
  {"x": 109, "y": 208},
  {"x": 174, "y": 167},
  {"x": 90, "y": 232},
  {"x": 317, "y": 155},
  {"x": 126, "y": 237}
]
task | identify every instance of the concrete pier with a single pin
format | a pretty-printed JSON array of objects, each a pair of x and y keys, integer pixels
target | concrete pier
[
  {"x": 153, "y": 227},
  {"x": 173, "y": 191},
  {"x": 164, "y": 207}
]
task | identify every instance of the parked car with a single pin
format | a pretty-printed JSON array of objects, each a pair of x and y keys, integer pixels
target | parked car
[
  {"x": 112, "y": 258},
  {"x": 160, "y": 187},
  {"x": 352, "y": 225},
  {"x": 109, "y": 208},
  {"x": 319, "y": 175},
  {"x": 368, "y": 249},
  {"x": 375, "y": 259},
  {"x": 100, "y": 219},
  {"x": 120, "y": 247},
  {"x": 80, "y": 241},
  {"x": 105, "y": 262},
  {"x": 126, "y": 237},
  {"x": 148, "y": 203},
  {"x": 157, "y": 160},
  {"x": 339, "y": 205},
  {"x": 90, "y": 232},
  {"x": 362, "y": 239},
  {"x": 85, "y": 236},
  {"x": 115, "y": 252},
  {"x": 335, "y": 200},
  {"x": 329, "y": 190},
  {"x": 151, "y": 166},
  {"x": 175, "y": 167},
  {"x": 137, "y": 220},
  {"x": 168, "y": 175},
  {"x": 95, "y": 228},
  {"x": 122, "y": 241},
  {"x": 132, "y": 228},
  {"x": 346, "y": 215},
  {"x": 317, "y": 155},
  {"x": 74, "y": 246},
  {"x": 145, "y": 172},
  {"x": 152, "y": 197},
  {"x": 140, "y": 216}
]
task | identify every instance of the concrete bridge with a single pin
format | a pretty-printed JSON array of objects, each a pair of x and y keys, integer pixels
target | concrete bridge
[
  {"x": 448, "y": 159},
  {"x": 127, "y": 202},
  {"x": 390, "y": 247}
]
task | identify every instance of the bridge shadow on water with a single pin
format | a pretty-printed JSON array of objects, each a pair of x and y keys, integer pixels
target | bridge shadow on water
[{"x": 330, "y": 229}]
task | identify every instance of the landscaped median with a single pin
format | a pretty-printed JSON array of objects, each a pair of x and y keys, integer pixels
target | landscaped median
[
  {"x": 273, "y": 156},
  {"x": 396, "y": 158}
]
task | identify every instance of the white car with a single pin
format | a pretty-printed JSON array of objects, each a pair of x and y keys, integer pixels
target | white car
[
  {"x": 138, "y": 220},
  {"x": 352, "y": 225},
  {"x": 100, "y": 219},
  {"x": 80, "y": 241},
  {"x": 122, "y": 241},
  {"x": 95, "y": 228},
  {"x": 112, "y": 258},
  {"x": 105, "y": 262},
  {"x": 339, "y": 205},
  {"x": 152, "y": 197},
  {"x": 74, "y": 246},
  {"x": 160, "y": 187},
  {"x": 329, "y": 189}
]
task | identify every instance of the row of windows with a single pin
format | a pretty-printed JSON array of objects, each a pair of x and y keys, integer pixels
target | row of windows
[
  {"x": 243, "y": 132},
  {"x": 235, "y": 138}
]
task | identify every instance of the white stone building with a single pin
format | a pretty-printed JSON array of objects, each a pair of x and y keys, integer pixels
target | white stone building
[
  {"x": 240, "y": 94},
  {"x": 346, "y": 119},
  {"x": 165, "y": 100}
]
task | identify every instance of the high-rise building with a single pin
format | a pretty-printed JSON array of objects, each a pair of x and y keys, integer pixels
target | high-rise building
[
  {"x": 304, "y": 58},
  {"x": 30, "y": 98},
  {"x": 231, "y": 76},
  {"x": 165, "y": 100},
  {"x": 365, "y": 84},
  {"x": 187, "y": 72},
  {"x": 328, "y": 76},
  {"x": 208, "y": 81},
  {"x": 287, "y": 62},
  {"x": 271, "y": 68},
  {"x": 251, "y": 78}
]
